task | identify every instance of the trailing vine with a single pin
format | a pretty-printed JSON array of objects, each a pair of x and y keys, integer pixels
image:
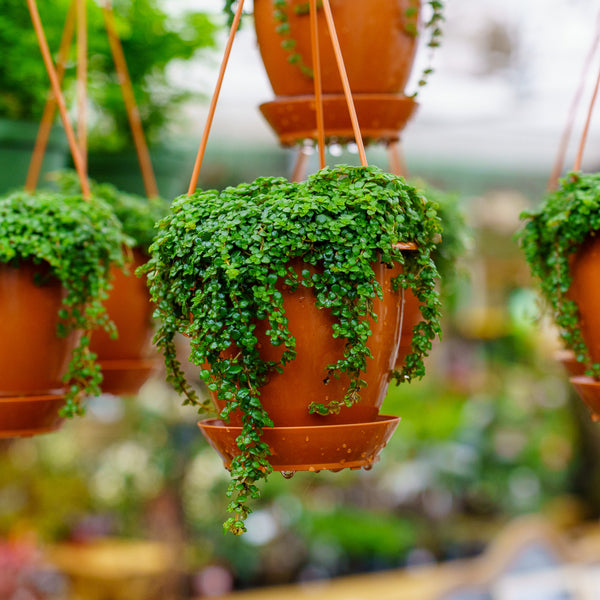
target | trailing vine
[
  {"x": 552, "y": 234},
  {"x": 219, "y": 258},
  {"x": 433, "y": 27},
  {"x": 79, "y": 239},
  {"x": 288, "y": 43}
]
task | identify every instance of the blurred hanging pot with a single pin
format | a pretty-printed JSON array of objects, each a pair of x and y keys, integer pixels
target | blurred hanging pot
[
  {"x": 290, "y": 295},
  {"x": 378, "y": 44},
  {"x": 562, "y": 246},
  {"x": 126, "y": 356},
  {"x": 33, "y": 358},
  {"x": 126, "y": 360},
  {"x": 55, "y": 254}
]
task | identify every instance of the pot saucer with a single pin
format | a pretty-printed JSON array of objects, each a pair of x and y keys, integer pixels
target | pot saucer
[
  {"x": 126, "y": 377},
  {"x": 24, "y": 416},
  {"x": 322, "y": 447},
  {"x": 588, "y": 389},
  {"x": 381, "y": 117}
]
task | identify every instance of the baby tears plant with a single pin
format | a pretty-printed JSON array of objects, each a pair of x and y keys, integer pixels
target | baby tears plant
[
  {"x": 551, "y": 236},
  {"x": 80, "y": 239},
  {"x": 220, "y": 258}
]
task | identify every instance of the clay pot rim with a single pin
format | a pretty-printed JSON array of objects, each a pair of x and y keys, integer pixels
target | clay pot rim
[
  {"x": 51, "y": 395},
  {"x": 216, "y": 423}
]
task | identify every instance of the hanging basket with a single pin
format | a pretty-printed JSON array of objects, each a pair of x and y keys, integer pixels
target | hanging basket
[
  {"x": 127, "y": 361},
  {"x": 299, "y": 440},
  {"x": 387, "y": 28}
]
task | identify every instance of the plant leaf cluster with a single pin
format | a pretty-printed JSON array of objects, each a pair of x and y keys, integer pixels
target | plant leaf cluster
[
  {"x": 550, "y": 238},
  {"x": 80, "y": 240},
  {"x": 138, "y": 215},
  {"x": 219, "y": 260}
]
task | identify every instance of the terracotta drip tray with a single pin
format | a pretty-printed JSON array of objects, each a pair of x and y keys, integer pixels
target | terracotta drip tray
[
  {"x": 322, "y": 447},
  {"x": 126, "y": 377},
  {"x": 24, "y": 416},
  {"x": 588, "y": 389},
  {"x": 381, "y": 117}
]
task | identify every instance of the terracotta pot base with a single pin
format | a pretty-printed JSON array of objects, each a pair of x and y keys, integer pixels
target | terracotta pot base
[
  {"x": 381, "y": 117},
  {"x": 588, "y": 389},
  {"x": 24, "y": 416},
  {"x": 126, "y": 377},
  {"x": 323, "y": 447}
]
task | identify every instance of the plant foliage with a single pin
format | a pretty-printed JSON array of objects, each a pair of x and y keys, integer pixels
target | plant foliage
[
  {"x": 218, "y": 259},
  {"x": 138, "y": 215},
  {"x": 551, "y": 236},
  {"x": 80, "y": 239}
]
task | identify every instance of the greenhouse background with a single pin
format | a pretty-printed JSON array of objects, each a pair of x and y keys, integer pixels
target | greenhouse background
[{"x": 490, "y": 486}]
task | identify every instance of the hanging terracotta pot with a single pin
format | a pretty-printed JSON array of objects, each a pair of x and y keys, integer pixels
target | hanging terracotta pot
[
  {"x": 377, "y": 76},
  {"x": 127, "y": 361},
  {"x": 585, "y": 292},
  {"x": 353, "y": 437},
  {"x": 33, "y": 358}
]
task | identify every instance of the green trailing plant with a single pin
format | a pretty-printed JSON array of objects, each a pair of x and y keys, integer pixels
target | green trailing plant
[
  {"x": 433, "y": 30},
  {"x": 79, "y": 239},
  {"x": 138, "y": 215},
  {"x": 551, "y": 236},
  {"x": 217, "y": 262}
]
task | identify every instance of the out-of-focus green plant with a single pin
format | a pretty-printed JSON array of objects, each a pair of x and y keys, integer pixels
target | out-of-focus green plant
[{"x": 152, "y": 40}]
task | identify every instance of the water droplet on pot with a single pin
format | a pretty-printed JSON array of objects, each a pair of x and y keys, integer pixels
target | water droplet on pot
[
  {"x": 288, "y": 474},
  {"x": 368, "y": 467}
]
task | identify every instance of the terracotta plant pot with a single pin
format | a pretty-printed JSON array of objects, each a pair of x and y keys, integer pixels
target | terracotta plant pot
[
  {"x": 286, "y": 395},
  {"x": 381, "y": 26},
  {"x": 303, "y": 441},
  {"x": 370, "y": 33},
  {"x": 127, "y": 361},
  {"x": 33, "y": 359},
  {"x": 585, "y": 291},
  {"x": 412, "y": 315}
]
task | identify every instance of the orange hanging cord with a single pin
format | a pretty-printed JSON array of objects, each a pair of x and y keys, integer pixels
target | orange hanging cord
[
  {"x": 60, "y": 101},
  {"x": 566, "y": 136},
  {"x": 213, "y": 103},
  {"x": 316, "y": 61},
  {"x": 39, "y": 149},
  {"x": 133, "y": 114},
  {"x": 345, "y": 83},
  {"x": 578, "y": 159},
  {"x": 82, "y": 68}
]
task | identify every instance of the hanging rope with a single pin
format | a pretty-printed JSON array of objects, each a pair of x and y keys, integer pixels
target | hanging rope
[
  {"x": 573, "y": 109},
  {"x": 39, "y": 149},
  {"x": 316, "y": 61},
  {"x": 60, "y": 101},
  {"x": 345, "y": 83},
  {"x": 577, "y": 165},
  {"x": 82, "y": 69},
  {"x": 133, "y": 114},
  {"x": 213, "y": 103}
]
